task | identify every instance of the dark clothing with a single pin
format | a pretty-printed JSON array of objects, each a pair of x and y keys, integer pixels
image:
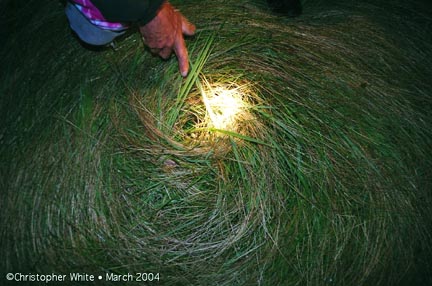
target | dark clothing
[
  {"x": 127, "y": 11},
  {"x": 99, "y": 22}
]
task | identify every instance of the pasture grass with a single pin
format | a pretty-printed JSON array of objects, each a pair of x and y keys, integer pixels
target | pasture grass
[{"x": 112, "y": 163}]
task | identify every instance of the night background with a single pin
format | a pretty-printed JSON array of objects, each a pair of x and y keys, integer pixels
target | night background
[{"x": 298, "y": 151}]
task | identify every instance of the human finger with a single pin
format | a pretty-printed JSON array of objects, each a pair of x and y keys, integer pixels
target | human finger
[
  {"x": 187, "y": 27},
  {"x": 182, "y": 55},
  {"x": 166, "y": 52},
  {"x": 155, "y": 51}
]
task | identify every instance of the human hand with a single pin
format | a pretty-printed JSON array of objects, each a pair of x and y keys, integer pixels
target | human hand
[{"x": 164, "y": 34}]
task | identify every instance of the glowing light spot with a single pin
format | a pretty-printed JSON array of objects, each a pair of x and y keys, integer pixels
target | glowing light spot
[{"x": 224, "y": 106}]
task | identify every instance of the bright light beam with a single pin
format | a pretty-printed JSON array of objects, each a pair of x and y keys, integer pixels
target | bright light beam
[{"x": 223, "y": 107}]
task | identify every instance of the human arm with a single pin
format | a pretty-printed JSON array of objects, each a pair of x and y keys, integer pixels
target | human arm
[
  {"x": 161, "y": 25},
  {"x": 164, "y": 35}
]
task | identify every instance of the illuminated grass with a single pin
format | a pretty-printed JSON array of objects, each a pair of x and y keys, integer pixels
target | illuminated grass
[{"x": 111, "y": 162}]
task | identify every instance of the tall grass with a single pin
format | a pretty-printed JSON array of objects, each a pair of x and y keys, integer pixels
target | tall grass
[{"x": 111, "y": 162}]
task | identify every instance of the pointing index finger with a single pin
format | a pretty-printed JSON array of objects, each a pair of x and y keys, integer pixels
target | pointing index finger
[{"x": 182, "y": 55}]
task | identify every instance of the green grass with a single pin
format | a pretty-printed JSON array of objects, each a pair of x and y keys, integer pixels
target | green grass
[{"x": 109, "y": 162}]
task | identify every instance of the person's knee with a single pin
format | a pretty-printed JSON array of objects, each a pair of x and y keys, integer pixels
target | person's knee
[{"x": 86, "y": 31}]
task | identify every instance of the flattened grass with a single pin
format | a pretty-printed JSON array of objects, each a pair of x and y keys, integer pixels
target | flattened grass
[{"x": 109, "y": 163}]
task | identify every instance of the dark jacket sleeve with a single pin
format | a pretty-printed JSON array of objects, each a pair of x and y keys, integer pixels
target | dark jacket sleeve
[{"x": 140, "y": 11}]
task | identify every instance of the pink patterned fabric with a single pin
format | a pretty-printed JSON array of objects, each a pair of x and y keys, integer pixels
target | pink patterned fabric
[{"x": 95, "y": 16}]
